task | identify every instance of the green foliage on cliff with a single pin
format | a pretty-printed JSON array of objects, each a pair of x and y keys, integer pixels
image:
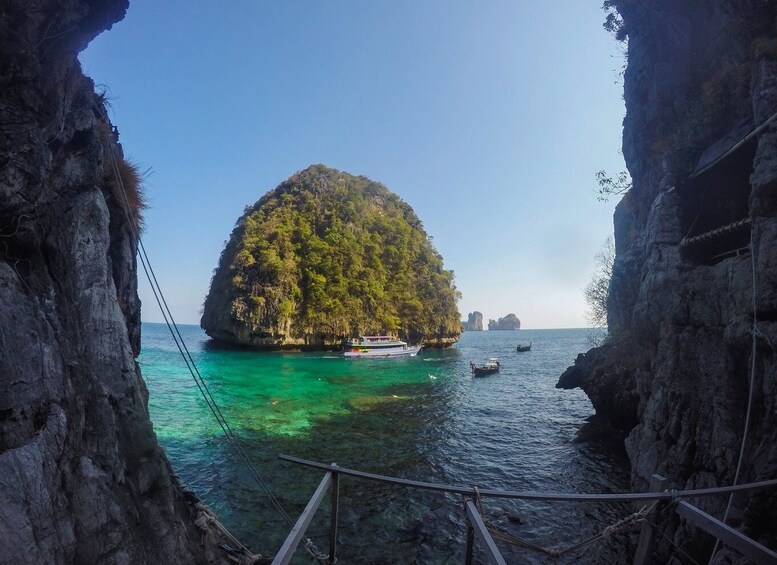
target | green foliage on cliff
[{"x": 332, "y": 254}]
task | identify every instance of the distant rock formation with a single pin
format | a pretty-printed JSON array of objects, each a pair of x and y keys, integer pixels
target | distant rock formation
[
  {"x": 82, "y": 476},
  {"x": 326, "y": 256},
  {"x": 474, "y": 322},
  {"x": 509, "y": 322}
]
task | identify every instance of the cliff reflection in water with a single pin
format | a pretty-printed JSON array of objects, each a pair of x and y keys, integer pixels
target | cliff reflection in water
[{"x": 513, "y": 431}]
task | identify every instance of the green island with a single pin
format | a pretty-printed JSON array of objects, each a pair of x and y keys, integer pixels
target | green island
[{"x": 325, "y": 256}]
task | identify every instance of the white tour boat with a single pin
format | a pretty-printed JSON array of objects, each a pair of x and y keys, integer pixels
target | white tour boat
[{"x": 379, "y": 346}]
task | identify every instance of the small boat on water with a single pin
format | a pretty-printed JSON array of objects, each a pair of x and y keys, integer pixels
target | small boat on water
[
  {"x": 523, "y": 347},
  {"x": 379, "y": 346},
  {"x": 489, "y": 368}
]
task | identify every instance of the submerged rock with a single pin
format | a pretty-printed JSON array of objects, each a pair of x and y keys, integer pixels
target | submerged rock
[
  {"x": 82, "y": 476},
  {"x": 324, "y": 257}
]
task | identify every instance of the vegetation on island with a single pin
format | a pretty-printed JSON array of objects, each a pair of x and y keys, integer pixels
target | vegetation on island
[{"x": 327, "y": 255}]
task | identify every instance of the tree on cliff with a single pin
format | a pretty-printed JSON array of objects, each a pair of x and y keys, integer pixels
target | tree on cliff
[
  {"x": 613, "y": 23},
  {"x": 597, "y": 291},
  {"x": 609, "y": 186},
  {"x": 324, "y": 256}
]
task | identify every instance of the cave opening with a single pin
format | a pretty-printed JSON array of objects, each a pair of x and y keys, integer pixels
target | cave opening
[{"x": 714, "y": 209}]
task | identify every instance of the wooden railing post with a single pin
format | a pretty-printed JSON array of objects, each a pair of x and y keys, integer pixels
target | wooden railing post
[
  {"x": 333, "y": 523},
  {"x": 733, "y": 538},
  {"x": 476, "y": 528},
  {"x": 470, "y": 545},
  {"x": 479, "y": 529},
  {"x": 645, "y": 545},
  {"x": 286, "y": 552}
]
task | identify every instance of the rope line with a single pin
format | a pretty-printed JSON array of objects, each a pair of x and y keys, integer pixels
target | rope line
[
  {"x": 190, "y": 363},
  {"x": 478, "y": 500},
  {"x": 206, "y": 391},
  {"x": 183, "y": 350},
  {"x": 673, "y": 544},
  {"x": 555, "y": 553},
  {"x": 759, "y": 333},
  {"x": 207, "y": 518},
  {"x": 314, "y": 553},
  {"x": 529, "y": 495},
  {"x": 751, "y": 384}
]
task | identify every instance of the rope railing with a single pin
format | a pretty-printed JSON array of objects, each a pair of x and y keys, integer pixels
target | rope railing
[
  {"x": 629, "y": 521},
  {"x": 486, "y": 532},
  {"x": 529, "y": 495}
]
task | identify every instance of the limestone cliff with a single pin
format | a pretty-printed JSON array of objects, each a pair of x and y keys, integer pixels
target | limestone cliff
[
  {"x": 82, "y": 477},
  {"x": 474, "y": 322},
  {"x": 509, "y": 322},
  {"x": 698, "y": 223},
  {"x": 326, "y": 256}
]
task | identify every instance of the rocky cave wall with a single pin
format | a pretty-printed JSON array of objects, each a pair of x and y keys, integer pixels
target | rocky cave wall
[
  {"x": 675, "y": 373},
  {"x": 82, "y": 477}
]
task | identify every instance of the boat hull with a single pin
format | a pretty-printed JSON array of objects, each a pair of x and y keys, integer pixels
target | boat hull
[
  {"x": 484, "y": 372},
  {"x": 408, "y": 351}
]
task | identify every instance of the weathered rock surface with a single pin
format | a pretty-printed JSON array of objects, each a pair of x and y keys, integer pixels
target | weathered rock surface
[
  {"x": 82, "y": 477},
  {"x": 683, "y": 314},
  {"x": 509, "y": 322},
  {"x": 607, "y": 377},
  {"x": 474, "y": 322}
]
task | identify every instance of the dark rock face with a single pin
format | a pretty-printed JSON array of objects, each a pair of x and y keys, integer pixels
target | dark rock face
[
  {"x": 82, "y": 477},
  {"x": 608, "y": 379},
  {"x": 474, "y": 322},
  {"x": 682, "y": 291},
  {"x": 509, "y": 322}
]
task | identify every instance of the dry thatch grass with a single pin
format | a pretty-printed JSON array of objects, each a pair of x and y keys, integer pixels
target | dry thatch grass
[{"x": 126, "y": 187}]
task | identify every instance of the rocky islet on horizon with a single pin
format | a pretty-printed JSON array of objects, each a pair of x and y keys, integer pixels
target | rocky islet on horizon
[
  {"x": 474, "y": 322},
  {"x": 509, "y": 322}
]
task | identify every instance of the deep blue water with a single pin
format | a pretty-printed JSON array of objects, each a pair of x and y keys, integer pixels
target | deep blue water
[{"x": 423, "y": 418}]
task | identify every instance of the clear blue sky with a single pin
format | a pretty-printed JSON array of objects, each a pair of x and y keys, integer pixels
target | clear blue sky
[{"x": 488, "y": 118}]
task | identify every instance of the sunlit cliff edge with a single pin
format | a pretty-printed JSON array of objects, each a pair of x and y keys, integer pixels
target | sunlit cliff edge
[{"x": 701, "y": 76}]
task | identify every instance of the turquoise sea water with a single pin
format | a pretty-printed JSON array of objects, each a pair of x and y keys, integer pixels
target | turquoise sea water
[{"x": 423, "y": 418}]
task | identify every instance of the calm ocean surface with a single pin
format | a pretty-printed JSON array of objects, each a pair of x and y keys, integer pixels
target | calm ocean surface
[{"x": 422, "y": 418}]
